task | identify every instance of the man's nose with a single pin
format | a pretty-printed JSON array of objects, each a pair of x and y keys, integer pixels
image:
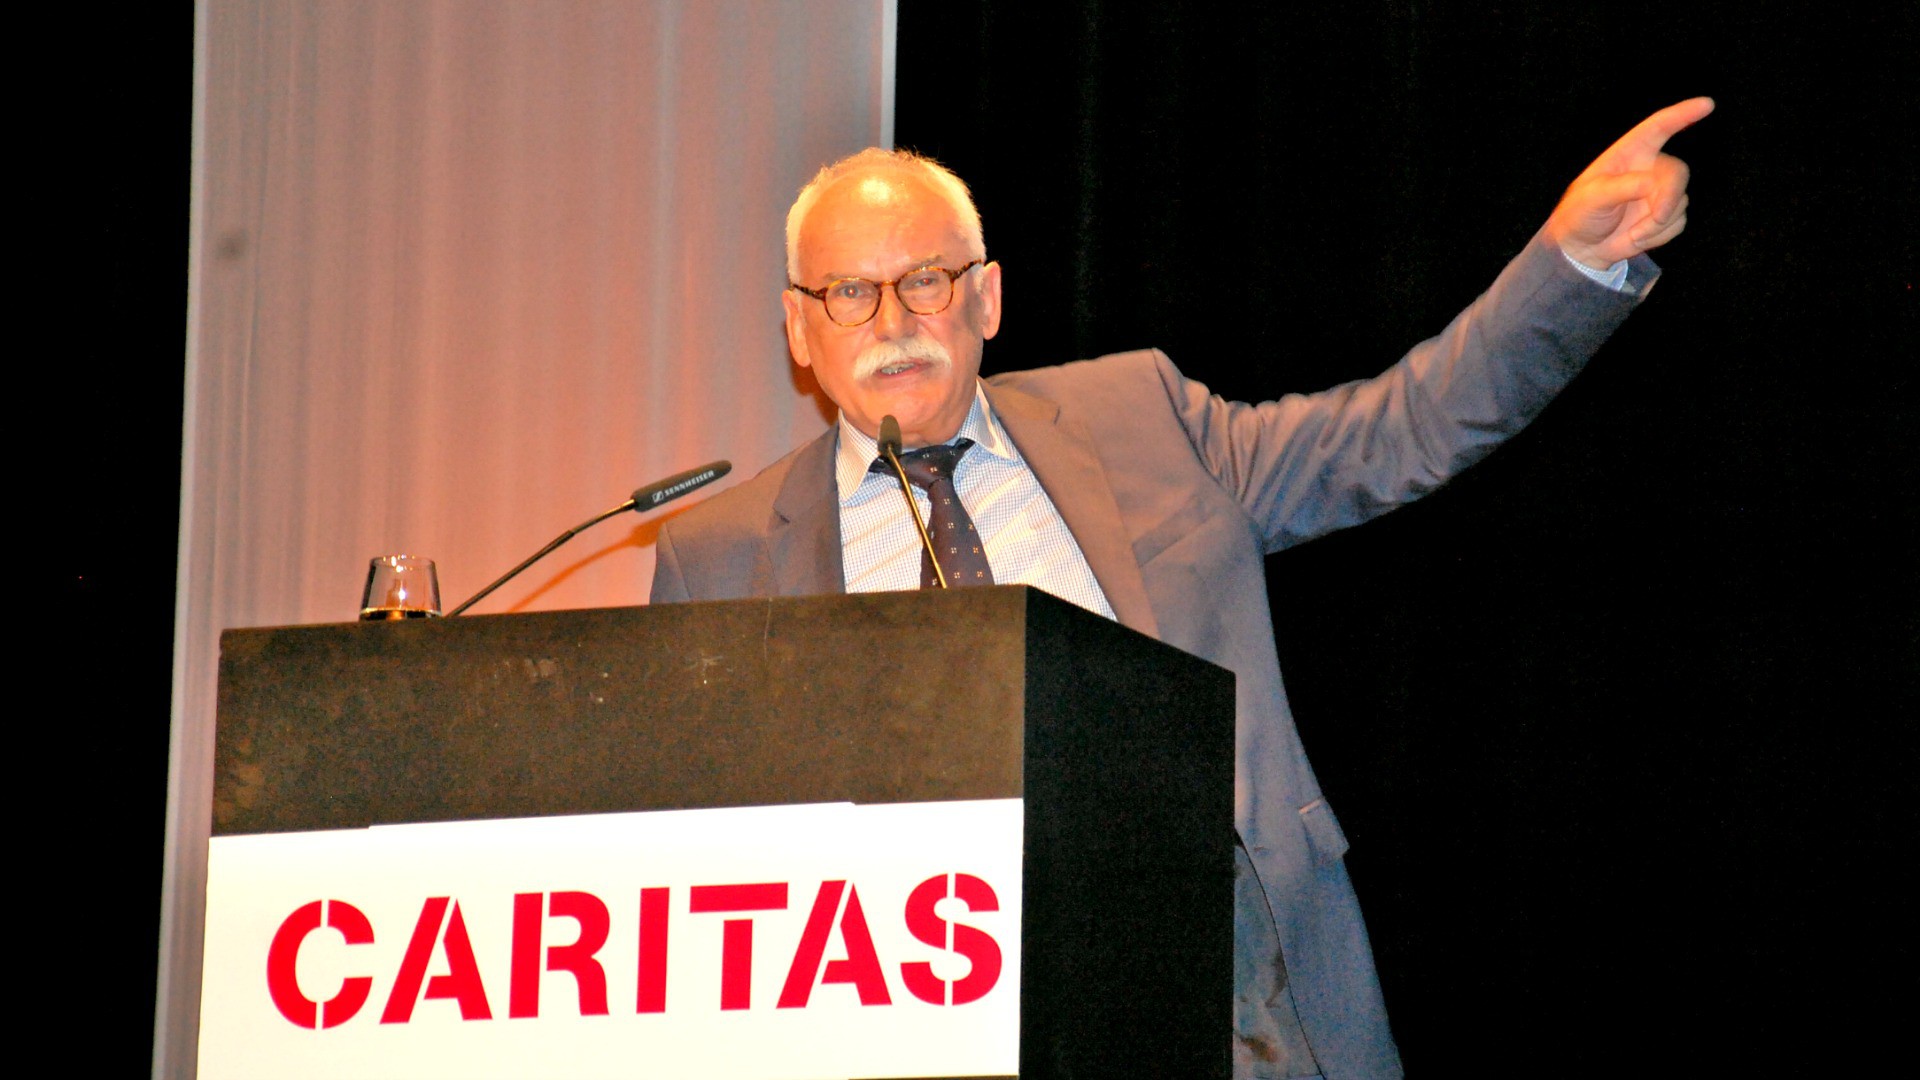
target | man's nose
[{"x": 893, "y": 320}]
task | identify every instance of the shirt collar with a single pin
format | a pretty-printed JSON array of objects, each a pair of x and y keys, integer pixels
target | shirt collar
[{"x": 857, "y": 449}]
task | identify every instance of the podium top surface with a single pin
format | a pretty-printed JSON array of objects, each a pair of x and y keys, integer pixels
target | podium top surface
[{"x": 880, "y": 697}]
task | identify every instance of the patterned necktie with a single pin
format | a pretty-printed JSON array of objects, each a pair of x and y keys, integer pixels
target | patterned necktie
[{"x": 931, "y": 470}]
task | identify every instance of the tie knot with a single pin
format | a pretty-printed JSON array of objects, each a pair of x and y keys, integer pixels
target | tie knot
[{"x": 928, "y": 465}]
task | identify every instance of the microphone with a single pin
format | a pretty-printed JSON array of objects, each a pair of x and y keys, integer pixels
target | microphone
[
  {"x": 665, "y": 491},
  {"x": 643, "y": 500},
  {"x": 890, "y": 449}
]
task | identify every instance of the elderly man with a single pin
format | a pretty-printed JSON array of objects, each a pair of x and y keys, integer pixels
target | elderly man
[{"x": 1128, "y": 489}]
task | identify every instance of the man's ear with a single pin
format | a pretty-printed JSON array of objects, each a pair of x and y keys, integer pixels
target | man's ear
[
  {"x": 989, "y": 302},
  {"x": 796, "y": 328}
]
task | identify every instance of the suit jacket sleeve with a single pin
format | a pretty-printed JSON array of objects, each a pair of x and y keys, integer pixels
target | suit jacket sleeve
[{"x": 1307, "y": 464}]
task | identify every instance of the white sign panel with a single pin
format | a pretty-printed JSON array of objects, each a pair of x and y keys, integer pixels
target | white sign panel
[{"x": 783, "y": 943}]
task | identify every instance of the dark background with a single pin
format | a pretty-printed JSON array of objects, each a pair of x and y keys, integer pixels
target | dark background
[
  {"x": 102, "y": 171},
  {"x": 1619, "y": 723}
]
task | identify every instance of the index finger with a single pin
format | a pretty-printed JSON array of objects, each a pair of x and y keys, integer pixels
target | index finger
[{"x": 1649, "y": 135}]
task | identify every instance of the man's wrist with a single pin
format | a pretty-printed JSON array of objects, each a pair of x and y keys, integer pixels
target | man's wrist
[{"x": 1613, "y": 277}]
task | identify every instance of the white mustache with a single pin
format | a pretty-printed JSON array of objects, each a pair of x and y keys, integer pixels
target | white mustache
[{"x": 882, "y": 354}]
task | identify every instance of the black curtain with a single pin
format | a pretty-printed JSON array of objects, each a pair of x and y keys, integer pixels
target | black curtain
[
  {"x": 1620, "y": 722},
  {"x": 103, "y": 149}
]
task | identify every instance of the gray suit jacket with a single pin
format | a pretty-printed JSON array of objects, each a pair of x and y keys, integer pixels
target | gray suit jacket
[{"x": 1175, "y": 497}]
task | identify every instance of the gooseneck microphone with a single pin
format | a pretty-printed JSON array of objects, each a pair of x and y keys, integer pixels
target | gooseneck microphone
[
  {"x": 890, "y": 449},
  {"x": 643, "y": 500}
]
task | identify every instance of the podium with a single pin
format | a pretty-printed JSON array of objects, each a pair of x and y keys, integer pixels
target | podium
[{"x": 1118, "y": 750}]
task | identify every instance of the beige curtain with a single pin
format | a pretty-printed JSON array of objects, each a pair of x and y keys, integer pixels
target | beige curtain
[{"x": 463, "y": 274}]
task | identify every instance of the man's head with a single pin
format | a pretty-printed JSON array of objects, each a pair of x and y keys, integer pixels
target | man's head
[{"x": 881, "y": 215}]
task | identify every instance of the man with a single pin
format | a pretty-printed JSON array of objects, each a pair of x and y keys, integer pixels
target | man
[{"x": 1124, "y": 487}]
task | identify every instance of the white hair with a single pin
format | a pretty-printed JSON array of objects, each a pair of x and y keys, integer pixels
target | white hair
[{"x": 874, "y": 159}]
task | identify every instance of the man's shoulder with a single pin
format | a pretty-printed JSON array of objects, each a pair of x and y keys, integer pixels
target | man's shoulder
[
  {"x": 1138, "y": 367},
  {"x": 1119, "y": 389},
  {"x": 745, "y": 509}
]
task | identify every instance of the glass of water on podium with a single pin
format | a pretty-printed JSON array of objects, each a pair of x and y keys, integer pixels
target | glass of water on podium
[{"x": 400, "y": 587}]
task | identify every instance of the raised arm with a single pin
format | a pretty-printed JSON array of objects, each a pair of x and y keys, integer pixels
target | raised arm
[{"x": 1309, "y": 463}]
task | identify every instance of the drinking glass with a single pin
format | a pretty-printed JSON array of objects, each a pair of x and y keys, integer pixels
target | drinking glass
[{"x": 400, "y": 587}]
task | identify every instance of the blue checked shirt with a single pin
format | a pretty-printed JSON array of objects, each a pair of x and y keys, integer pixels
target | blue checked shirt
[{"x": 1026, "y": 541}]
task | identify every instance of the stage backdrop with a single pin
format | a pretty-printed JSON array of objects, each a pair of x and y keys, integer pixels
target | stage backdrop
[{"x": 463, "y": 275}]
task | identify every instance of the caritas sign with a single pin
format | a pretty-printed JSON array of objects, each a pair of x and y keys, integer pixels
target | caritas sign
[{"x": 768, "y": 943}]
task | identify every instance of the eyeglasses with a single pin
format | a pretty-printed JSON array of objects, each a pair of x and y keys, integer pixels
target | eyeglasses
[{"x": 852, "y": 301}]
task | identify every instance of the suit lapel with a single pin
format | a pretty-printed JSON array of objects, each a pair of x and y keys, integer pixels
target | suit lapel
[
  {"x": 803, "y": 544},
  {"x": 1060, "y": 452}
]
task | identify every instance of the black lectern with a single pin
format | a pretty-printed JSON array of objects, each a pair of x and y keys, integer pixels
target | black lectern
[{"x": 1120, "y": 747}]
